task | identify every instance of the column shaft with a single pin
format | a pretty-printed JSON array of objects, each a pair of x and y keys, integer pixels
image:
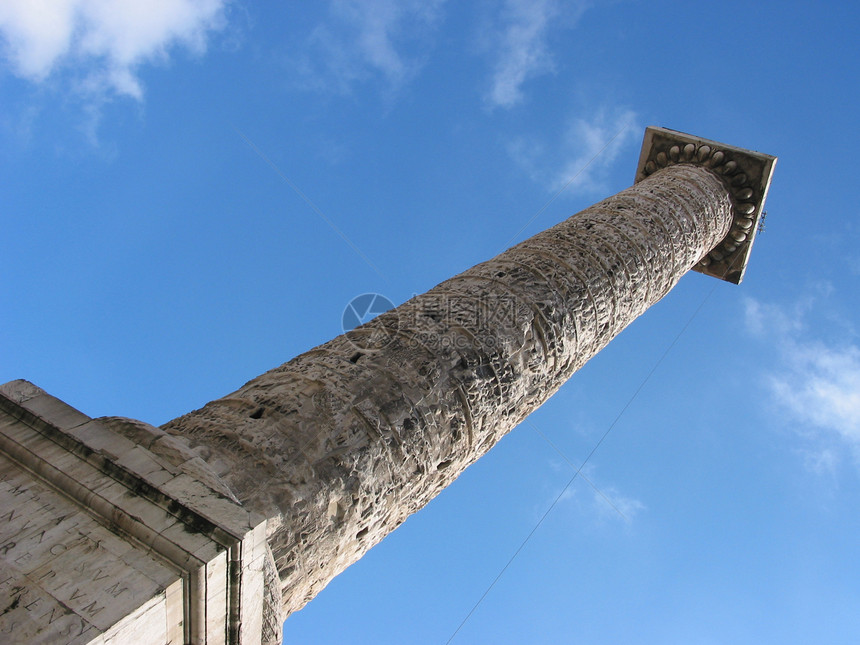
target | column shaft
[{"x": 341, "y": 444}]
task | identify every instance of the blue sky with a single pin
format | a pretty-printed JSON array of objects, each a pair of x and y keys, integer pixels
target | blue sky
[{"x": 192, "y": 192}]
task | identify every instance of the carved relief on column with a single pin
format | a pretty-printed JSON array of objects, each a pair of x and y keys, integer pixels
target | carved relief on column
[
  {"x": 745, "y": 174},
  {"x": 338, "y": 446}
]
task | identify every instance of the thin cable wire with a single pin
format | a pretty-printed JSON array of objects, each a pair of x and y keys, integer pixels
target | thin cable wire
[
  {"x": 307, "y": 200},
  {"x": 584, "y": 462},
  {"x": 577, "y": 470}
]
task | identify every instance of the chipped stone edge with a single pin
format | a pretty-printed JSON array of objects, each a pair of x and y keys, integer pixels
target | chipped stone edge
[{"x": 745, "y": 173}]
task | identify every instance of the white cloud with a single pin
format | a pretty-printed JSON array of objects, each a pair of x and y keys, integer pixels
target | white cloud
[
  {"x": 816, "y": 384},
  {"x": 763, "y": 319},
  {"x": 609, "y": 503},
  {"x": 367, "y": 38},
  {"x": 580, "y": 159},
  {"x": 604, "y": 503},
  {"x": 519, "y": 45},
  {"x": 101, "y": 41},
  {"x": 594, "y": 146},
  {"x": 821, "y": 387}
]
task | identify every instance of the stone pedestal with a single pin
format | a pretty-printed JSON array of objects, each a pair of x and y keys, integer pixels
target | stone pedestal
[{"x": 113, "y": 532}]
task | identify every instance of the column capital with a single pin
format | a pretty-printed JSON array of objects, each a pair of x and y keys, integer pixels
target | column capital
[{"x": 746, "y": 175}]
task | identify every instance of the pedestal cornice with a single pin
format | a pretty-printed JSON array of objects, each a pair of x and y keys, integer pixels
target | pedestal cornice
[
  {"x": 746, "y": 175},
  {"x": 110, "y": 539}
]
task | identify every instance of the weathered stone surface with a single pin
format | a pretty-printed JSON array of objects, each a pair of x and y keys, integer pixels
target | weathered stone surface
[
  {"x": 338, "y": 446},
  {"x": 202, "y": 531},
  {"x": 103, "y": 540}
]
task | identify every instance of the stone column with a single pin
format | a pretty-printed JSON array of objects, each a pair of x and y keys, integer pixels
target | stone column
[{"x": 340, "y": 445}]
